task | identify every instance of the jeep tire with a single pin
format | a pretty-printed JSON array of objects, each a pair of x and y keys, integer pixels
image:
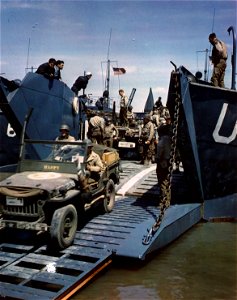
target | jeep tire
[
  {"x": 63, "y": 227},
  {"x": 109, "y": 198}
]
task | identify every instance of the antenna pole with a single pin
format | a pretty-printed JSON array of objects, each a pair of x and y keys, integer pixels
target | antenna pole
[
  {"x": 108, "y": 64},
  {"x": 233, "y": 57},
  {"x": 212, "y": 29},
  {"x": 28, "y": 53},
  {"x": 213, "y": 20},
  {"x": 205, "y": 71}
]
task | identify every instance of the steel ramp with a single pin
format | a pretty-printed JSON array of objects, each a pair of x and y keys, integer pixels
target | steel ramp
[
  {"x": 38, "y": 275},
  {"x": 123, "y": 230}
]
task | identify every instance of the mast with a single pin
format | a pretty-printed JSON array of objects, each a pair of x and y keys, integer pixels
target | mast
[
  {"x": 205, "y": 67},
  {"x": 233, "y": 58},
  {"x": 108, "y": 65}
]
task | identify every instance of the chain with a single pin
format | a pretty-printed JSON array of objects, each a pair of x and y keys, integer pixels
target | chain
[{"x": 166, "y": 185}]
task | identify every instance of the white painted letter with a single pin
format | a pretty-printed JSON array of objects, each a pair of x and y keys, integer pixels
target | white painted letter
[
  {"x": 10, "y": 131},
  {"x": 223, "y": 139}
]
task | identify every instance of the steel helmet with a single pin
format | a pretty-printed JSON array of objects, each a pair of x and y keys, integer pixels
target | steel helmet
[
  {"x": 64, "y": 127},
  {"x": 88, "y": 142},
  {"x": 88, "y": 74}
]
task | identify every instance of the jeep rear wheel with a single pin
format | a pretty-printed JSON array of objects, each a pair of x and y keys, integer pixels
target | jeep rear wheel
[
  {"x": 63, "y": 227},
  {"x": 109, "y": 198}
]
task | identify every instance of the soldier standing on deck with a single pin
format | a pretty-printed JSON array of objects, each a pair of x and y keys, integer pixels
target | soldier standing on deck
[
  {"x": 96, "y": 128},
  {"x": 110, "y": 133},
  {"x": 123, "y": 108},
  {"x": 163, "y": 152},
  {"x": 147, "y": 140},
  {"x": 218, "y": 58},
  {"x": 159, "y": 113}
]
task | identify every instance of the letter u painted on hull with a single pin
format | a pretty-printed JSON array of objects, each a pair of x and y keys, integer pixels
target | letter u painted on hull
[{"x": 219, "y": 138}]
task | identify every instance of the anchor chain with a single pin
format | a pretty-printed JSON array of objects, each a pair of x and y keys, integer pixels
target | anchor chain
[{"x": 166, "y": 186}]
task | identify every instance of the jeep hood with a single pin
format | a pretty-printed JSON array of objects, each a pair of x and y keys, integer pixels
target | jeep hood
[{"x": 41, "y": 181}]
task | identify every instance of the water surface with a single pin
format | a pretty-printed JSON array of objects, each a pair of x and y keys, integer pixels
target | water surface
[{"x": 200, "y": 265}]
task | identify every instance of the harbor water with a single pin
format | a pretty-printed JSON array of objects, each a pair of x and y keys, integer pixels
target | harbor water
[{"x": 200, "y": 265}]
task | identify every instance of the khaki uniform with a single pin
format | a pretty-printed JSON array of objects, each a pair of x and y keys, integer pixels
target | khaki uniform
[
  {"x": 163, "y": 154},
  {"x": 159, "y": 115},
  {"x": 110, "y": 132},
  {"x": 148, "y": 142},
  {"x": 218, "y": 58},
  {"x": 123, "y": 111},
  {"x": 96, "y": 130},
  {"x": 69, "y": 138},
  {"x": 95, "y": 166}
]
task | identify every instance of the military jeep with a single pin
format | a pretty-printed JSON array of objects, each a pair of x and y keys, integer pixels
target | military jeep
[{"x": 45, "y": 196}]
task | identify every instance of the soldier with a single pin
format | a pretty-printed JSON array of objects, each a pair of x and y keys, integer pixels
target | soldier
[
  {"x": 94, "y": 167},
  {"x": 47, "y": 69},
  {"x": 218, "y": 58},
  {"x": 159, "y": 113},
  {"x": 110, "y": 133},
  {"x": 147, "y": 140},
  {"x": 123, "y": 108},
  {"x": 59, "y": 65},
  {"x": 81, "y": 82},
  {"x": 64, "y": 134},
  {"x": 96, "y": 128},
  {"x": 163, "y": 152},
  {"x": 130, "y": 115}
]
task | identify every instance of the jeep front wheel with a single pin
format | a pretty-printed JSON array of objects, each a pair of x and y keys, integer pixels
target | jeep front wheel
[
  {"x": 63, "y": 227},
  {"x": 109, "y": 198}
]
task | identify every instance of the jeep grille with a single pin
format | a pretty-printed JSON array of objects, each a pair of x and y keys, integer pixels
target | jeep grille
[{"x": 29, "y": 209}]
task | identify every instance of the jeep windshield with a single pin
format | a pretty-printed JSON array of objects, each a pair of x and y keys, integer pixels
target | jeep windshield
[{"x": 51, "y": 151}]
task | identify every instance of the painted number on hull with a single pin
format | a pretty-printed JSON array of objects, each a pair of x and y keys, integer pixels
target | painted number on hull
[
  {"x": 10, "y": 131},
  {"x": 220, "y": 138}
]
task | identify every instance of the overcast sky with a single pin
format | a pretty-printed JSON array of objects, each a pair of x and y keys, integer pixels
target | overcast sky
[{"x": 145, "y": 37}]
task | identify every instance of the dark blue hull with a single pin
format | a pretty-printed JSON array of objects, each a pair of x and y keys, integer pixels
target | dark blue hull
[
  {"x": 207, "y": 134},
  {"x": 52, "y": 103}
]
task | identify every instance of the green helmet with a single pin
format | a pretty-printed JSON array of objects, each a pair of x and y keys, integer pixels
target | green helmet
[
  {"x": 88, "y": 142},
  {"x": 65, "y": 127}
]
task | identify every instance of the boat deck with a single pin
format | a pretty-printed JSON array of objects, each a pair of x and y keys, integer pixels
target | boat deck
[{"x": 28, "y": 271}]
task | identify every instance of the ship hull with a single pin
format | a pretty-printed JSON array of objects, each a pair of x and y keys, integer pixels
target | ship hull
[
  {"x": 51, "y": 102},
  {"x": 207, "y": 136}
]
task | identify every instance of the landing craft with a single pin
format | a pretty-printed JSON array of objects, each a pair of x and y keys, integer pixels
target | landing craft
[
  {"x": 53, "y": 103},
  {"x": 205, "y": 120}
]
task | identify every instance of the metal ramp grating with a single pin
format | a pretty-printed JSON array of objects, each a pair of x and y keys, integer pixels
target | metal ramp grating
[
  {"x": 113, "y": 231},
  {"x": 38, "y": 275}
]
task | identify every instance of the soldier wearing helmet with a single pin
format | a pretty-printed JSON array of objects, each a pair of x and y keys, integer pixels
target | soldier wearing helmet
[
  {"x": 130, "y": 115},
  {"x": 64, "y": 134},
  {"x": 94, "y": 167},
  {"x": 110, "y": 133},
  {"x": 147, "y": 140},
  {"x": 159, "y": 113},
  {"x": 81, "y": 82}
]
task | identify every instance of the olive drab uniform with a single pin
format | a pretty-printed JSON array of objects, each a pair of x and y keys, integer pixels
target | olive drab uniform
[
  {"x": 159, "y": 115},
  {"x": 130, "y": 116},
  {"x": 163, "y": 153},
  {"x": 218, "y": 58},
  {"x": 96, "y": 129},
  {"x": 123, "y": 110},
  {"x": 147, "y": 141},
  {"x": 110, "y": 133},
  {"x": 95, "y": 167}
]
